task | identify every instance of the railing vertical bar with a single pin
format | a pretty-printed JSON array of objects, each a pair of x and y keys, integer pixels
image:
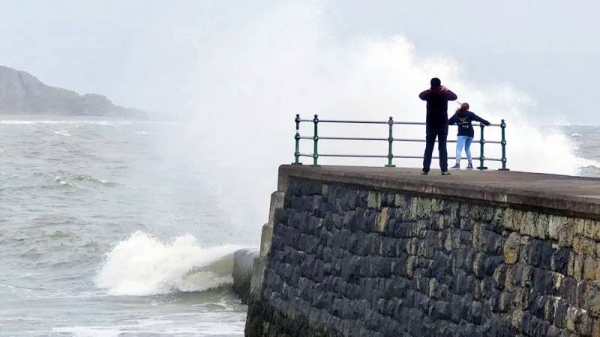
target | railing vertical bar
[
  {"x": 297, "y": 138},
  {"x": 503, "y": 143},
  {"x": 482, "y": 153},
  {"x": 316, "y": 141},
  {"x": 390, "y": 142}
]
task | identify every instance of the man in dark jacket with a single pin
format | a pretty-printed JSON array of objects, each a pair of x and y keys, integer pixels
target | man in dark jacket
[{"x": 437, "y": 98}]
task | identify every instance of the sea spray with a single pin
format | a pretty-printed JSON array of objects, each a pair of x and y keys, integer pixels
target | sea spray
[
  {"x": 143, "y": 265},
  {"x": 257, "y": 78}
]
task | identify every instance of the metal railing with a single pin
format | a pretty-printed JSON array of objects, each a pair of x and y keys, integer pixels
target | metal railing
[{"x": 390, "y": 139}]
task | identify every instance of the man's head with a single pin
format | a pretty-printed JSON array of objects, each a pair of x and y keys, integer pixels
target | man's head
[{"x": 435, "y": 82}]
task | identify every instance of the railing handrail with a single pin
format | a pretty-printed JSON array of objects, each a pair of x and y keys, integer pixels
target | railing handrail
[
  {"x": 390, "y": 139},
  {"x": 344, "y": 121}
]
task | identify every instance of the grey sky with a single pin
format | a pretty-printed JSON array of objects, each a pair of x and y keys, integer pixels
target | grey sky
[{"x": 147, "y": 53}]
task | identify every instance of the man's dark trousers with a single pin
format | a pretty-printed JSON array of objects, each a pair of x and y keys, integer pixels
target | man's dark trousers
[{"x": 442, "y": 135}]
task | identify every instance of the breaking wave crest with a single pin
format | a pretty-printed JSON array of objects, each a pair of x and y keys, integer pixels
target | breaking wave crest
[{"x": 143, "y": 265}]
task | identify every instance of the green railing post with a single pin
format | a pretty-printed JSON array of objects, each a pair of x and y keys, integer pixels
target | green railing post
[
  {"x": 297, "y": 138},
  {"x": 482, "y": 153},
  {"x": 316, "y": 142},
  {"x": 503, "y": 143},
  {"x": 390, "y": 155}
]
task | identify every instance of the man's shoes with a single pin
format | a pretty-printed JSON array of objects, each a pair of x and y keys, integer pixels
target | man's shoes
[
  {"x": 470, "y": 166},
  {"x": 423, "y": 173},
  {"x": 456, "y": 167},
  {"x": 445, "y": 173}
]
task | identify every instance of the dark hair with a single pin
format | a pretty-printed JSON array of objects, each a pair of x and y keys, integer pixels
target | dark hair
[
  {"x": 435, "y": 82},
  {"x": 463, "y": 107}
]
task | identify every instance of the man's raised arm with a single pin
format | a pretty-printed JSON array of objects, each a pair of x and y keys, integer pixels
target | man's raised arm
[{"x": 425, "y": 95}]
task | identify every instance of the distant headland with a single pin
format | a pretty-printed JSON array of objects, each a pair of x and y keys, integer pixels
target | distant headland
[{"x": 23, "y": 94}]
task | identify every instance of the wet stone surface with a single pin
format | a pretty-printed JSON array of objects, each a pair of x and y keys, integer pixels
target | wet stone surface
[{"x": 346, "y": 261}]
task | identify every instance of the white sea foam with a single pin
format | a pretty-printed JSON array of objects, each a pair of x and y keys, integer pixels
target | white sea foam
[
  {"x": 63, "y": 133},
  {"x": 143, "y": 265}
]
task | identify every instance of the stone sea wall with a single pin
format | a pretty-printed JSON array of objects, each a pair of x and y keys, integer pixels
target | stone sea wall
[{"x": 347, "y": 260}]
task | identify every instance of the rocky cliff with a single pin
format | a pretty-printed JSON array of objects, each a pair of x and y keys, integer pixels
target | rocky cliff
[{"x": 23, "y": 94}]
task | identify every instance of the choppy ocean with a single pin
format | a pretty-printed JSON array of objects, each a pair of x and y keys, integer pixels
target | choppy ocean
[{"x": 105, "y": 231}]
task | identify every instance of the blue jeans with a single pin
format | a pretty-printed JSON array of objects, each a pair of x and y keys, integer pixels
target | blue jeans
[{"x": 463, "y": 141}]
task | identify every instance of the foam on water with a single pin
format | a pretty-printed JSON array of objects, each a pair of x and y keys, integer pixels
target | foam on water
[
  {"x": 143, "y": 265},
  {"x": 63, "y": 133}
]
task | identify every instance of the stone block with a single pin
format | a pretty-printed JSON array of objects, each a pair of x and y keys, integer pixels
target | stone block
[
  {"x": 512, "y": 248},
  {"x": 532, "y": 326},
  {"x": 516, "y": 319},
  {"x": 393, "y": 225},
  {"x": 512, "y": 279},
  {"x": 592, "y": 229},
  {"x": 348, "y": 221},
  {"x": 541, "y": 225},
  {"x": 499, "y": 276},
  {"x": 584, "y": 246},
  {"x": 442, "y": 293},
  {"x": 538, "y": 307},
  {"x": 466, "y": 239},
  {"x": 401, "y": 200},
  {"x": 525, "y": 276},
  {"x": 575, "y": 266},
  {"x": 384, "y": 267},
  {"x": 527, "y": 223},
  {"x": 543, "y": 282},
  {"x": 509, "y": 221},
  {"x": 566, "y": 234},
  {"x": 361, "y": 198},
  {"x": 493, "y": 242},
  {"x": 477, "y": 236},
  {"x": 374, "y": 200},
  {"x": 584, "y": 325},
  {"x": 573, "y": 316},
  {"x": 590, "y": 268},
  {"x": 373, "y": 241},
  {"x": 596, "y": 328},
  {"x": 466, "y": 224},
  {"x": 462, "y": 283},
  {"x": 593, "y": 304},
  {"x": 505, "y": 302},
  {"x": 560, "y": 314},
  {"x": 389, "y": 247},
  {"x": 440, "y": 311},
  {"x": 447, "y": 240},
  {"x": 381, "y": 220},
  {"x": 559, "y": 260},
  {"x": 479, "y": 264},
  {"x": 491, "y": 263},
  {"x": 534, "y": 252},
  {"x": 555, "y": 225},
  {"x": 585, "y": 291},
  {"x": 522, "y": 298},
  {"x": 415, "y": 326}
]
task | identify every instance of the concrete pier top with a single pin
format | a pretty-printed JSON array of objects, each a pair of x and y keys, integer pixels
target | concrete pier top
[{"x": 565, "y": 195}]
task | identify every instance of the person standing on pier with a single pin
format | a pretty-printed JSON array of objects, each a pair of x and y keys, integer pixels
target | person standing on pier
[
  {"x": 437, "y": 98},
  {"x": 463, "y": 118}
]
